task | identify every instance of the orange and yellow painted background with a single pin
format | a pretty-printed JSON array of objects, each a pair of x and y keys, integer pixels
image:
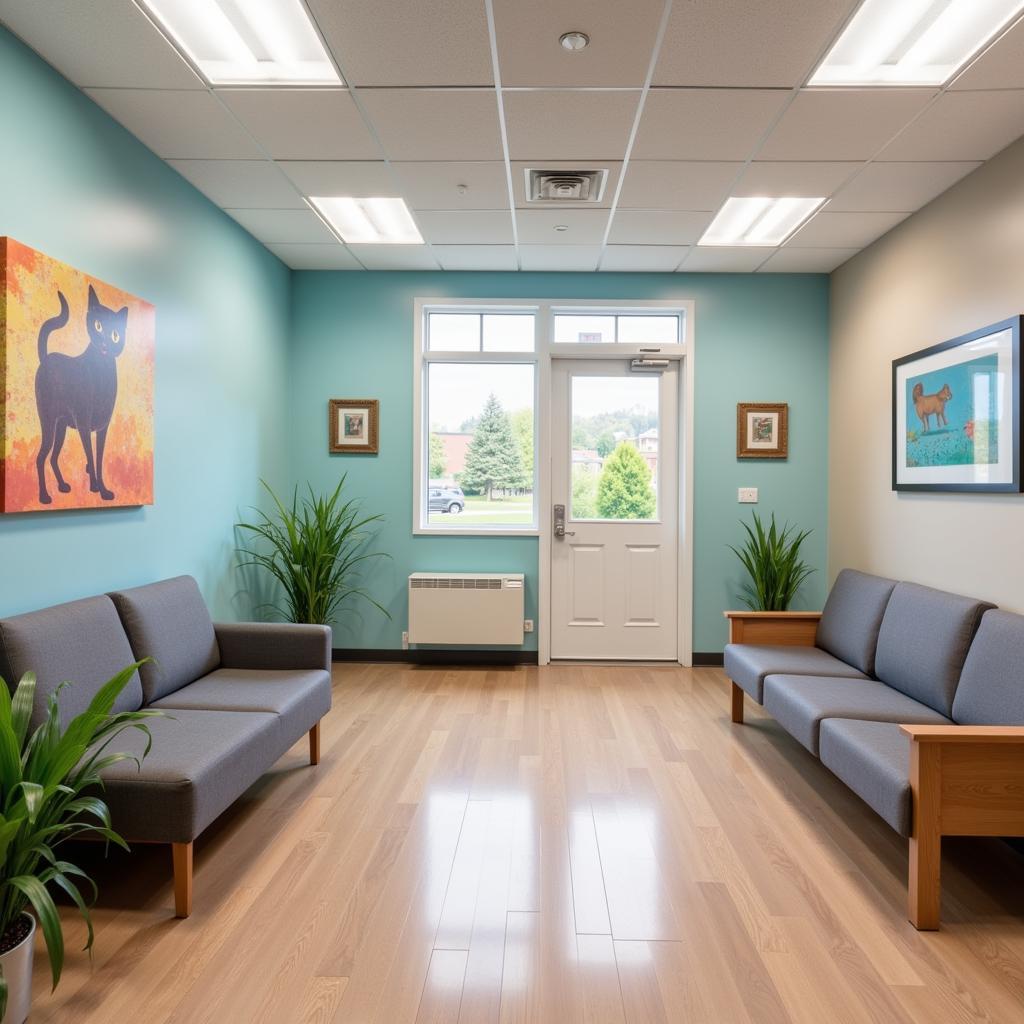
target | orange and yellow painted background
[{"x": 29, "y": 282}]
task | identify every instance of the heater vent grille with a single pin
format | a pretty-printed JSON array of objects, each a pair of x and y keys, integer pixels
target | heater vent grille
[
  {"x": 565, "y": 186},
  {"x": 454, "y": 583}
]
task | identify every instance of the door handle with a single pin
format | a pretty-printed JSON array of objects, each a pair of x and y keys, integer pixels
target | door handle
[{"x": 559, "y": 522}]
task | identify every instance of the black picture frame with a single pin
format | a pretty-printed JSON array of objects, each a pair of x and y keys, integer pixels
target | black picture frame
[{"x": 1013, "y": 486}]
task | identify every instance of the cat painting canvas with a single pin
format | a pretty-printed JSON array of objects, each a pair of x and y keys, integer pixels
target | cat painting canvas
[{"x": 76, "y": 388}]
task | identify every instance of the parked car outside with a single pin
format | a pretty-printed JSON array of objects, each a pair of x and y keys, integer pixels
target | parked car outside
[{"x": 446, "y": 498}]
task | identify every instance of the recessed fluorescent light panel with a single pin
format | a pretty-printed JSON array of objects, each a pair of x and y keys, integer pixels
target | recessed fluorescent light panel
[
  {"x": 247, "y": 42},
  {"x": 378, "y": 221},
  {"x": 758, "y": 220},
  {"x": 913, "y": 42}
]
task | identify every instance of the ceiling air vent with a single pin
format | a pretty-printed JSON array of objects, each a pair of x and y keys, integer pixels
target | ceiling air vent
[{"x": 565, "y": 186}]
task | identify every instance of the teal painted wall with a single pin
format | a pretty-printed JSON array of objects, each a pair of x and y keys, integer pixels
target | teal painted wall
[
  {"x": 78, "y": 187},
  {"x": 759, "y": 338}
]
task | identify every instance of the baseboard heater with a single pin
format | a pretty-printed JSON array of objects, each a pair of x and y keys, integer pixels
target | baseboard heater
[{"x": 466, "y": 608}]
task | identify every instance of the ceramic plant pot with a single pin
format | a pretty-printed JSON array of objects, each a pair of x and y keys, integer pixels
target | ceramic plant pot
[{"x": 17, "y": 968}]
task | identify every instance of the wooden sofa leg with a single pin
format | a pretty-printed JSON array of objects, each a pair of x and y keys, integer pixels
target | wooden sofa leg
[
  {"x": 737, "y": 702},
  {"x": 314, "y": 744},
  {"x": 924, "y": 883},
  {"x": 182, "y": 854}
]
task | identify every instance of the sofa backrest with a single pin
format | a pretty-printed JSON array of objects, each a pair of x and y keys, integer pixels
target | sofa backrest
[
  {"x": 923, "y": 642},
  {"x": 852, "y": 616},
  {"x": 168, "y": 622},
  {"x": 991, "y": 690},
  {"x": 82, "y": 642}
]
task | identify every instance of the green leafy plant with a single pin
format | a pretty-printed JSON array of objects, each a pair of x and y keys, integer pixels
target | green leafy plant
[
  {"x": 315, "y": 549},
  {"x": 49, "y": 786},
  {"x": 772, "y": 558}
]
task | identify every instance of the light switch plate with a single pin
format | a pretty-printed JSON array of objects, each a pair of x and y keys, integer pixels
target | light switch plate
[{"x": 748, "y": 496}]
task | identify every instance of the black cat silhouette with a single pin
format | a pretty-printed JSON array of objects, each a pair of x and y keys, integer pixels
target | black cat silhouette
[{"x": 78, "y": 392}]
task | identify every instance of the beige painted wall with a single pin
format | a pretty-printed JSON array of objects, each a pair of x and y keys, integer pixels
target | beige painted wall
[{"x": 954, "y": 266}]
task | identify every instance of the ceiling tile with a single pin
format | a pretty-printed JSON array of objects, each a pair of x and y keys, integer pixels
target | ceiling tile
[
  {"x": 899, "y": 186},
  {"x": 434, "y": 185},
  {"x": 111, "y": 44},
  {"x": 842, "y": 124},
  {"x": 792, "y": 260},
  {"x": 340, "y": 177},
  {"x": 962, "y": 126},
  {"x": 786, "y": 178},
  {"x": 395, "y": 257},
  {"x": 435, "y": 124},
  {"x": 676, "y": 184},
  {"x": 180, "y": 124},
  {"x": 562, "y": 124},
  {"x": 622, "y": 40},
  {"x": 640, "y": 258},
  {"x": 844, "y": 230},
  {"x": 303, "y": 124},
  {"x": 1000, "y": 67},
  {"x": 738, "y": 43},
  {"x": 559, "y": 257},
  {"x": 274, "y": 227},
  {"x": 429, "y": 42},
  {"x": 636, "y": 227},
  {"x": 476, "y": 257},
  {"x": 705, "y": 124},
  {"x": 466, "y": 227},
  {"x": 519, "y": 168},
  {"x": 583, "y": 227},
  {"x": 715, "y": 259},
  {"x": 241, "y": 184},
  {"x": 315, "y": 257}
]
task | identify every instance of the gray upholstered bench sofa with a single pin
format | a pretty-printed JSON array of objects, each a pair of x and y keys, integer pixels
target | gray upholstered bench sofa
[
  {"x": 236, "y": 697},
  {"x": 914, "y": 698}
]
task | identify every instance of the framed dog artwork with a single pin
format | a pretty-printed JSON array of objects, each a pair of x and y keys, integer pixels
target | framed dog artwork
[{"x": 956, "y": 422}]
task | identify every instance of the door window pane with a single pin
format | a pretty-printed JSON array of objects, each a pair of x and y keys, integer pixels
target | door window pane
[
  {"x": 480, "y": 448},
  {"x": 648, "y": 330},
  {"x": 584, "y": 330},
  {"x": 508, "y": 332},
  {"x": 453, "y": 332},
  {"x": 614, "y": 447}
]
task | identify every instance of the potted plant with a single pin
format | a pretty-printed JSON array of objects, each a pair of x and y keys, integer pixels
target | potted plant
[
  {"x": 772, "y": 558},
  {"x": 50, "y": 792},
  {"x": 315, "y": 549}
]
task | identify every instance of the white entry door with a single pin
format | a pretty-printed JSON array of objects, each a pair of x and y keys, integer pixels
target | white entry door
[{"x": 615, "y": 470}]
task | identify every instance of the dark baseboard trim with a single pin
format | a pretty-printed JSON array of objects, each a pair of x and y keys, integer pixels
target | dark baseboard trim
[
  {"x": 706, "y": 659},
  {"x": 433, "y": 657}
]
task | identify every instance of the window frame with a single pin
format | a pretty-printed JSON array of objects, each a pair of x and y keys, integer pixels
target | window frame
[{"x": 545, "y": 349}]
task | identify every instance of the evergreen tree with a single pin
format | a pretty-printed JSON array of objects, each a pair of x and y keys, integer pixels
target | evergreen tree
[
  {"x": 493, "y": 459},
  {"x": 437, "y": 458},
  {"x": 624, "y": 490}
]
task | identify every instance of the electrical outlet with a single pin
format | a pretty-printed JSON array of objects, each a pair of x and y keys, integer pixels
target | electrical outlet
[
  {"x": 747, "y": 496},
  {"x": 405, "y": 640},
  {"x": 528, "y": 625}
]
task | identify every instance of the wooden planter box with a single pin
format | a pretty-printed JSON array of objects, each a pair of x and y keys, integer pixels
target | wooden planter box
[{"x": 793, "y": 628}]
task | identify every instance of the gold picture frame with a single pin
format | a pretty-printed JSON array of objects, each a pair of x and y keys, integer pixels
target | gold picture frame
[
  {"x": 762, "y": 430},
  {"x": 352, "y": 426}
]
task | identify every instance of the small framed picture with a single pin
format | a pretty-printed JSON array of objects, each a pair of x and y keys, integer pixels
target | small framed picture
[
  {"x": 956, "y": 423},
  {"x": 762, "y": 430},
  {"x": 352, "y": 425}
]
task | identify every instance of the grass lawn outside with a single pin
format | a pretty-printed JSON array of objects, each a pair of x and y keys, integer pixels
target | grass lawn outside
[{"x": 479, "y": 511}]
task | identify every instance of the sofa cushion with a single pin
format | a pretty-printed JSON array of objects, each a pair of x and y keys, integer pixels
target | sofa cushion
[
  {"x": 923, "y": 642},
  {"x": 852, "y": 616},
  {"x": 800, "y": 703},
  {"x": 991, "y": 690},
  {"x": 873, "y": 759},
  {"x": 300, "y": 698},
  {"x": 169, "y": 623},
  {"x": 200, "y": 763},
  {"x": 82, "y": 642},
  {"x": 748, "y": 664}
]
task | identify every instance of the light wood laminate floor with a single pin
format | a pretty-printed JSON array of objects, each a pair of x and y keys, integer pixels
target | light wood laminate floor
[{"x": 566, "y": 844}]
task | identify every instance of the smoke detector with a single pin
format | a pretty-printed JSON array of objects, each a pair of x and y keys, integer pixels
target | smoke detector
[{"x": 565, "y": 186}]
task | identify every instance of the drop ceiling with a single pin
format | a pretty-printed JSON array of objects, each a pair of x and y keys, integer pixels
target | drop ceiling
[{"x": 447, "y": 102}]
